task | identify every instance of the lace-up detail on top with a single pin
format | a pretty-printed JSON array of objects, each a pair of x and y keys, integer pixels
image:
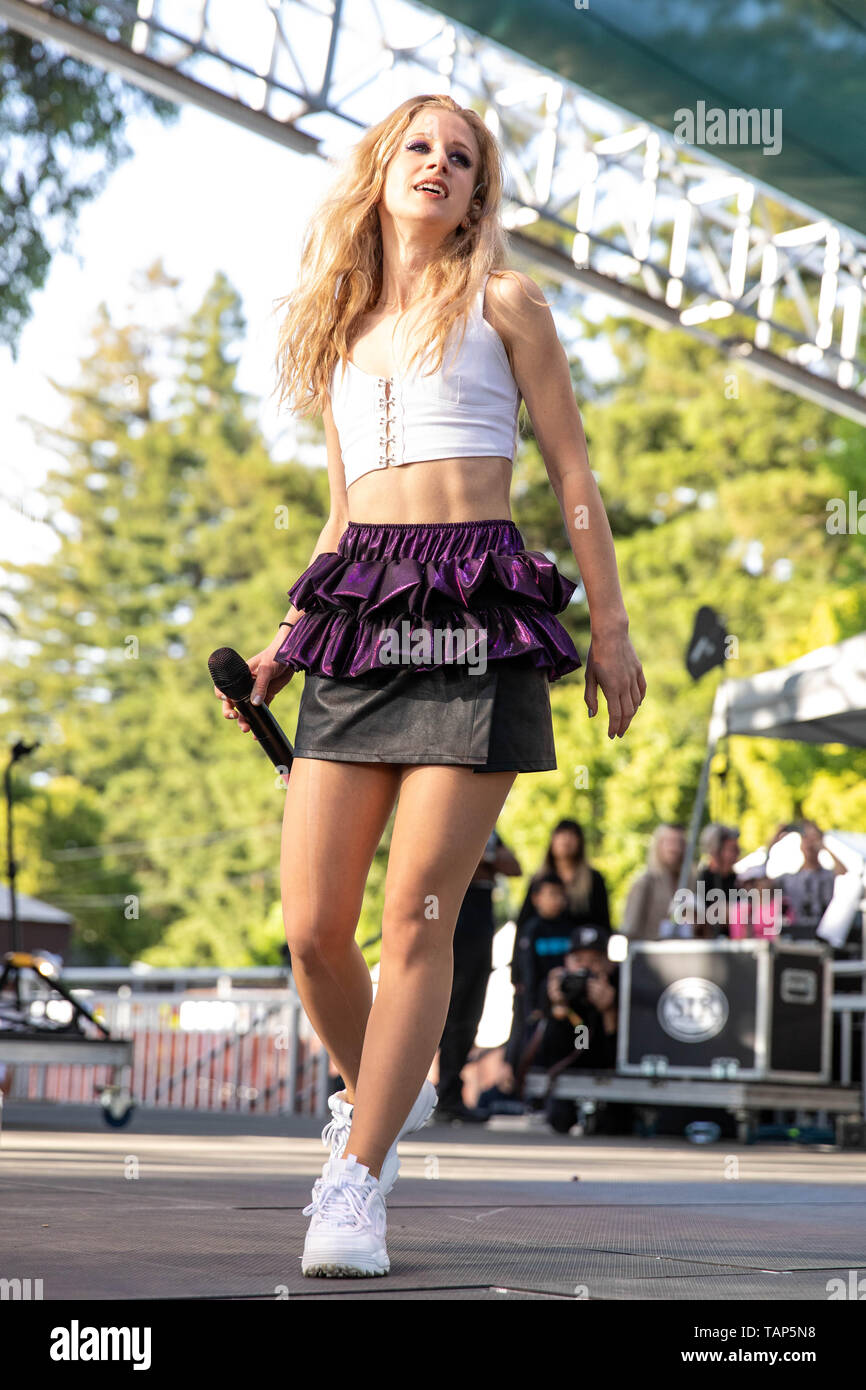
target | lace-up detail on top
[{"x": 468, "y": 408}]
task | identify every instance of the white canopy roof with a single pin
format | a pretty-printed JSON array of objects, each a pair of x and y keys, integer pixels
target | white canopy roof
[
  {"x": 819, "y": 698},
  {"x": 29, "y": 909}
]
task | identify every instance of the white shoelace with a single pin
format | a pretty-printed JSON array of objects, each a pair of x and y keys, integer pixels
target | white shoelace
[
  {"x": 345, "y": 1204},
  {"x": 317, "y": 1192},
  {"x": 339, "y": 1121},
  {"x": 334, "y": 1127}
]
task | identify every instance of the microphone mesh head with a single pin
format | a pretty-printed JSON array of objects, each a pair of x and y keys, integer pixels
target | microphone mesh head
[{"x": 230, "y": 673}]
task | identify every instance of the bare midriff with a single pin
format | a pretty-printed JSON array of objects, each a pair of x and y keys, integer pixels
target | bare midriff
[{"x": 465, "y": 489}]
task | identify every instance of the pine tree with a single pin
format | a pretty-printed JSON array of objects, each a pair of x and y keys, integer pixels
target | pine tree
[{"x": 176, "y": 535}]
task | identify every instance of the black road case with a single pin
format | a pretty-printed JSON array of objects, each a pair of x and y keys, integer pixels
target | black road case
[{"x": 755, "y": 1009}]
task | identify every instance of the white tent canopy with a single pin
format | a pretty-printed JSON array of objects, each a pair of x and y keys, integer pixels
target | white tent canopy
[
  {"x": 30, "y": 909},
  {"x": 819, "y": 698}
]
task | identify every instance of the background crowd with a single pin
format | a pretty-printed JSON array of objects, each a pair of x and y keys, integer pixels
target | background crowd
[{"x": 565, "y": 980}]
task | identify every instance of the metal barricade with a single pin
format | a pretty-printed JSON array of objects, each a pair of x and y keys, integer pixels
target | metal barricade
[{"x": 234, "y": 1050}]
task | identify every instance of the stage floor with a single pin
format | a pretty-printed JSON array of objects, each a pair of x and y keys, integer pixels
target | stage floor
[{"x": 193, "y": 1206}]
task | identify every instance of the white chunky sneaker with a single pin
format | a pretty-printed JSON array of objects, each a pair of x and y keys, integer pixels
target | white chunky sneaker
[
  {"x": 346, "y": 1235},
  {"x": 336, "y": 1132}
]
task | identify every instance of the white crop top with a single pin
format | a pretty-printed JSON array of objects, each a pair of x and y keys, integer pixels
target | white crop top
[{"x": 468, "y": 409}]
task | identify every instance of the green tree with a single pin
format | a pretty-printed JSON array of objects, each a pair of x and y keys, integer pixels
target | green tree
[
  {"x": 717, "y": 487},
  {"x": 176, "y": 535},
  {"x": 62, "y": 125}
]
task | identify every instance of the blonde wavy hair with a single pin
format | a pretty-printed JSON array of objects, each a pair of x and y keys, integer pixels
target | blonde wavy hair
[{"x": 340, "y": 272}]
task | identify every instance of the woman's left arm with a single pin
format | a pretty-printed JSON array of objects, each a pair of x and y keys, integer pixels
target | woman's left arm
[{"x": 522, "y": 317}]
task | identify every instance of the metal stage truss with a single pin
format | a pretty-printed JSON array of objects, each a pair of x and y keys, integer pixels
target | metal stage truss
[{"x": 601, "y": 199}]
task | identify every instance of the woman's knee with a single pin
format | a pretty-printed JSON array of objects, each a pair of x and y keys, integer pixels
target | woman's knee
[
  {"x": 317, "y": 939},
  {"x": 416, "y": 928}
]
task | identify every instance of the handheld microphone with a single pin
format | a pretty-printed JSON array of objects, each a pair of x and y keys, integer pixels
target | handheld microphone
[{"x": 231, "y": 674}]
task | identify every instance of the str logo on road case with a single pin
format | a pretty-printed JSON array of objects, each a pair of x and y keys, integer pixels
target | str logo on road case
[{"x": 692, "y": 1010}]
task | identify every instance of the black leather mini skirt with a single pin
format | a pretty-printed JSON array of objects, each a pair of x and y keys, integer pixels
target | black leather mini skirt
[{"x": 498, "y": 721}]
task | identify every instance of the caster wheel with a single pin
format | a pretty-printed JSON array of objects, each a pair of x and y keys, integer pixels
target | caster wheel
[{"x": 117, "y": 1107}]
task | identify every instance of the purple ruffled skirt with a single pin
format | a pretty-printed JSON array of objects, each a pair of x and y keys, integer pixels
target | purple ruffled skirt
[
  {"x": 430, "y": 642},
  {"x": 441, "y": 577}
]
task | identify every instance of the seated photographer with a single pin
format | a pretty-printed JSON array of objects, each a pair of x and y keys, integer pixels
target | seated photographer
[
  {"x": 540, "y": 944},
  {"x": 574, "y": 1022}
]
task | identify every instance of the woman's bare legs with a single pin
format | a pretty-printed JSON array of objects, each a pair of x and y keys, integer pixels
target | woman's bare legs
[
  {"x": 444, "y": 817},
  {"x": 333, "y": 820}
]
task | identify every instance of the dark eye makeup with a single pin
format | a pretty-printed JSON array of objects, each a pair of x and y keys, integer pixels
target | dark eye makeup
[{"x": 458, "y": 154}]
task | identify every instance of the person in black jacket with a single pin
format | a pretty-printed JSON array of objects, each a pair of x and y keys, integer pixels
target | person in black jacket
[
  {"x": 539, "y": 945},
  {"x": 720, "y": 850},
  {"x": 585, "y": 903},
  {"x": 473, "y": 945},
  {"x": 585, "y": 889}
]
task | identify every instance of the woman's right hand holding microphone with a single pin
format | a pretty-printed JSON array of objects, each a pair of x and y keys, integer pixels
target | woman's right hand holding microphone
[{"x": 270, "y": 677}]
